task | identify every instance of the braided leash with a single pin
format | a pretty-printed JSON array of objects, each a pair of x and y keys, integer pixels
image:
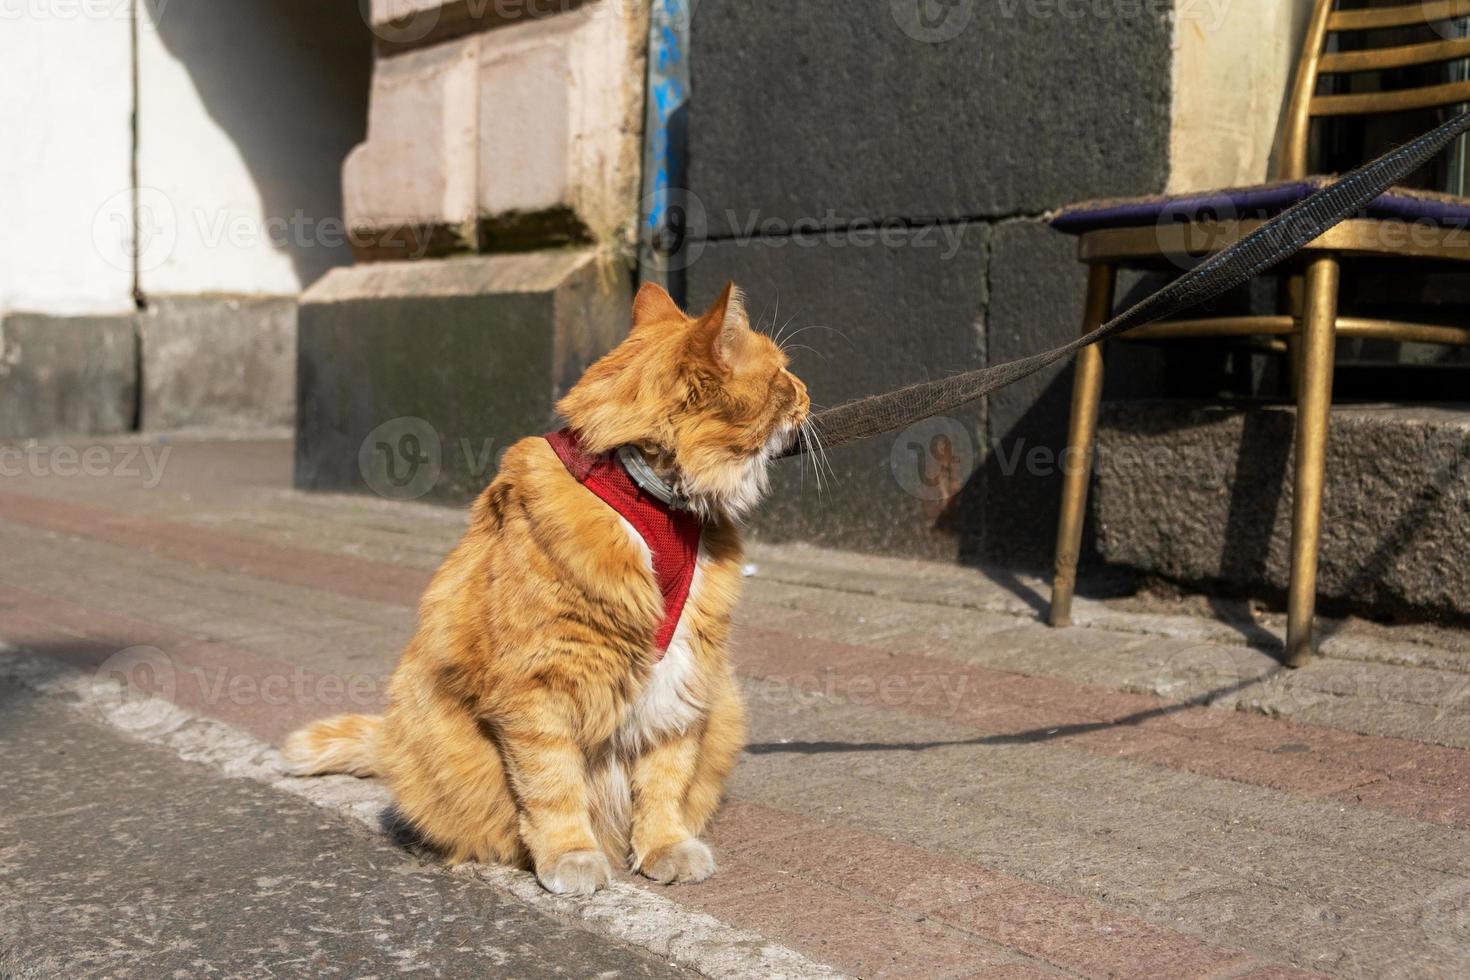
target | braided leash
[{"x": 1278, "y": 239}]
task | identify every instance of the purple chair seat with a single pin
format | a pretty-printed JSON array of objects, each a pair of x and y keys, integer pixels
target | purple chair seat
[{"x": 1260, "y": 201}]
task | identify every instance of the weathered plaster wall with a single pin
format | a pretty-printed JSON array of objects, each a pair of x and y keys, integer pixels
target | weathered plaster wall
[
  {"x": 1233, "y": 65},
  {"x": 64, "y": 161},
  {"x": 245, "y": 112}
]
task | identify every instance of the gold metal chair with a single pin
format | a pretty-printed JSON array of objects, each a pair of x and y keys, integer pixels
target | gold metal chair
[{"x": 1130, "y": 234}]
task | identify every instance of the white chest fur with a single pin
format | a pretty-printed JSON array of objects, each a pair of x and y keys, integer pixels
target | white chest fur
[{"x": 667, "y": 702}]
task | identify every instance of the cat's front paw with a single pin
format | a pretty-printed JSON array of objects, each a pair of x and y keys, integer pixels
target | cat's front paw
[
  {"x": 687, "y": 861},
  {"x": 576, "y": 873}
]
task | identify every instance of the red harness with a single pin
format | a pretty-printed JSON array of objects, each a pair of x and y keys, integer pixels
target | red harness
[{"x": 672, "y": 535}]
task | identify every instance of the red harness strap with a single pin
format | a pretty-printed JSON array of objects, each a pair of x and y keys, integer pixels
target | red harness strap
[{"x": 672, "y": 535}]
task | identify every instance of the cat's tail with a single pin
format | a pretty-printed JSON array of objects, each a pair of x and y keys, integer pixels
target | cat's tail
[{"x": 344, "y": 744}]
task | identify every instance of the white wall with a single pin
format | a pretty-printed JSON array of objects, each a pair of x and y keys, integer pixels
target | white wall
[
  {"x": 64, "y": 157},
  {"x": 246, "y": 111}
]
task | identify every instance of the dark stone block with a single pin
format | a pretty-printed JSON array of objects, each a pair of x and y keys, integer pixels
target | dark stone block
[
  {"x": 67, "y": 375},
  {"x": 876, "y": 316},
  {"x": 1203, "y": 495},
  {"x": 830, "y": 110},
  {"x": 808, "y": 119},
  {"x": 225, "y": 361},
  {"x": 414, "y": 377},
  {"x": 1037, "y": 294}
]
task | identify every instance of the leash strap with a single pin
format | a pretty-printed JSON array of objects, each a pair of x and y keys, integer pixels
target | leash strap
[{"x": 1278, "y": 239}]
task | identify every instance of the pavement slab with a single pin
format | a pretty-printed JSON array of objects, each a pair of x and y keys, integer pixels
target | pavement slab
[{"x": 937, "y": 784}]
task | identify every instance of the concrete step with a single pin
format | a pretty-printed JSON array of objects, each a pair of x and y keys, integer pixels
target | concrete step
[{"x": 1202, "y": 495}]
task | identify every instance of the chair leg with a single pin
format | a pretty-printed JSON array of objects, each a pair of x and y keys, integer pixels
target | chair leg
[
  {"x": 1314, "y": 406},
  {"x": 1292, "y": 291},
  {"x": 1082, "y": 431}
]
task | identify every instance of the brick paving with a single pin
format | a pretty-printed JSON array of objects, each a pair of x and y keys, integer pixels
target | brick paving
[{"x": 937, "y": 785}]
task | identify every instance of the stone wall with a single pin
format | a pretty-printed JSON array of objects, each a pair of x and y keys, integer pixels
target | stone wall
[
  {"x": 878, "y": 178},
  {"x": 493, "y": 208},
  {"x": 1202, "y": 494},
  {"x": 884, "y": 178}
]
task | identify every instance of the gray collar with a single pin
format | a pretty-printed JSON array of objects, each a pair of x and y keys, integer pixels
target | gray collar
[{"x": 648, "y": 480}]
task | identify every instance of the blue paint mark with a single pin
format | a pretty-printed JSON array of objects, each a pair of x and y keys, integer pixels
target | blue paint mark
[{"x": 663, "y": 147}]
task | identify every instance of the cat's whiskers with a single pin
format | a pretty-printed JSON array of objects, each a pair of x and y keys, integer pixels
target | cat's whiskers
[
  {"x": 801, "y": 442},
  {"x": 792, "y": 347},
  {"x": 818, "y": 326},
  {"x": 827, "y": 462},
  {"x": 821, "y": 459},
  {"x": 813, "y": 446},
  {"x": 816, "y": 469},
  {"x": 781, "y": 337}
]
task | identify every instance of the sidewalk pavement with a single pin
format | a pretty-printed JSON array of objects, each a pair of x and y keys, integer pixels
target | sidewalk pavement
[{"x": 937, "y": 784}]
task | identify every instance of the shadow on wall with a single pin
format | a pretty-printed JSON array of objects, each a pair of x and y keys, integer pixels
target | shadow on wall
[{"x": 288, "y": 82}]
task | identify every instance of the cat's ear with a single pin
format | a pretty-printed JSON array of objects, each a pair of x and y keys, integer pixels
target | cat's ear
[
  {"x": 654, "y": 304},
  {"x": 721, "y": 333}
]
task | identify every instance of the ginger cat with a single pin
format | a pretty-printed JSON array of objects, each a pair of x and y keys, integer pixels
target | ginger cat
[{"x": 532, "y": 720}]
